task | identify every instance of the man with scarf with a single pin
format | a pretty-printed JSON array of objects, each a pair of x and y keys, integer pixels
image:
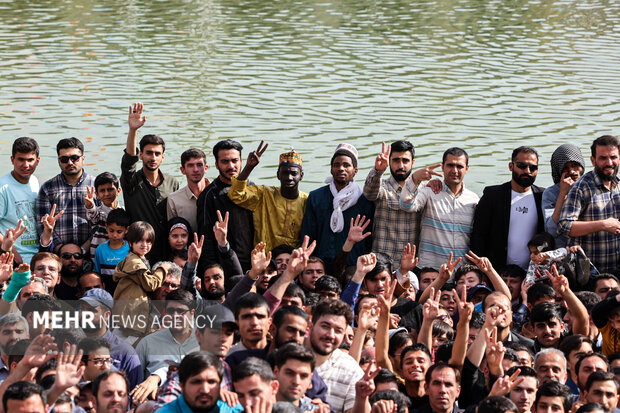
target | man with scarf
[
  {"x": 331, "y": 209},
  {"x": 567, "y": 165},
  {"x": 447, "y": 216}
]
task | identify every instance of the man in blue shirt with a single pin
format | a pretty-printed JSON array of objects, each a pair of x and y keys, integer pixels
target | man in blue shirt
[{"x": 200, "y": 374}]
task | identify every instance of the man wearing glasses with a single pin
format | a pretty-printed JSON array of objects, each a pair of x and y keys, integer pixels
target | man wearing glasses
[
  {"x": 66, "y": 191},
  {"x": 96, "y": 357},
  {"x": 509, "y": 215}
]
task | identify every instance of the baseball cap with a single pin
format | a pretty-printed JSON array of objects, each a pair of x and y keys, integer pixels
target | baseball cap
[
  {"x": 96, "y": 297},
  {"x": 216, "y": 315}
]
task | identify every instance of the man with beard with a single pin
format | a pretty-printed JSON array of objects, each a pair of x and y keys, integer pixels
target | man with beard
[
  {"x": 124, "y": 357},
  {"x": 72, "y": 260},
  {"x": 213, "y": 283},
  {"x": 393, "y": 227},
  {"x": 590, "y": 214},
  {"x": 200, "y": 374},
  {"x": 447, "y": 215},
  {"x": 338, "y": 370},
  {"x": 278, "y": 211},
  {"x": 508, "y": 215},
  {"x": 332, "y": 209},
  {"x": 66, "y": 192},
  {"x": 145, "y": 191},
  {"x": 293, "y": 369},
  {"x": 13, "y": 328},
  {"x": 214, "y": 198},
  {"x": 567, "y": 166},
  {"x": 110, "y": 390},
  {"x": 182, "y": 203}
]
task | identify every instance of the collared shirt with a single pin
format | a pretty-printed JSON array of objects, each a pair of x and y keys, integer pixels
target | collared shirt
[
  {"x": 277, "y": 220},
  {"x": 159, "y": 347},
  {"x": 393, "y": 227},
  {"x": 73, "y": 225},
  {"x": 589, "y": 200},
  {"x": 340, "y": 373},
  {"x": 446, "y": 221},
  {"x": 182, "y": 203}
]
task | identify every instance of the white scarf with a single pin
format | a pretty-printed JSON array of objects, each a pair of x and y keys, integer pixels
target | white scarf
[{"x": 343, "y": 200}]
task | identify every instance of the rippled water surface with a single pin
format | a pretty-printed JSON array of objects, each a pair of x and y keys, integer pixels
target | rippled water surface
[{"x": 484, "y": 75}]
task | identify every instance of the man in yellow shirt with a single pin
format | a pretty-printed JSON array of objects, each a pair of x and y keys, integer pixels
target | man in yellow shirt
[{"x": 278, "y": 211}]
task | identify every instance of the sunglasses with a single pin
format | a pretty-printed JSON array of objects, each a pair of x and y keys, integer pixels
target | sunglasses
[
  {"x": 523, "y": 165},
  {"x": 72, "y": 158},
  {"x": 170, "y": 285},
  {"x": 68, "y": 255}
]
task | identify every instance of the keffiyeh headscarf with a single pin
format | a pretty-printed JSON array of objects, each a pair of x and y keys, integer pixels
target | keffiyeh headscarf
[{"x": 563, "y": 154}]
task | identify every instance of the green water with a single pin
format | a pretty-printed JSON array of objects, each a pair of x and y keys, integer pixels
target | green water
[{"x": 484, "y": 75}]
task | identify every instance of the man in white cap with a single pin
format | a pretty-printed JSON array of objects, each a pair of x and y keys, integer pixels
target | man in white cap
[{"x": 331, "y": 209}]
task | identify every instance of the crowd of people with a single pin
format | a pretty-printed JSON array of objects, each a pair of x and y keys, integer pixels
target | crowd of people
[{"x": 410, "y": 293}]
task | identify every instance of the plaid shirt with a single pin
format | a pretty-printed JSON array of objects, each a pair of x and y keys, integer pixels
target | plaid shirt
[
  {"x": 393, "y": 227},
  {"x": 340, "y": 372},
  {"x": 72, "y": 226},
  {"x": 589, "y": 200}
]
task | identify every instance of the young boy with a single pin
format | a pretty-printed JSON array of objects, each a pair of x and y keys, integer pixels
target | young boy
[
  {"x": 107, "y": 189},
  {"x": 115, "y": 249}
]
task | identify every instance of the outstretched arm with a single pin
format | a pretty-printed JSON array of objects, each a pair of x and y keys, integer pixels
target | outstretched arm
[
  {"x": 136, "y": 121},
  {"x": 445, "y": 272},
  {"x": 459, "y": 350},
  {"x": 382, "y": 337},
  {"x": 486, "y": 267},
  {"x": 581, "y": 321},
  {"x": 253, "y": 161}
]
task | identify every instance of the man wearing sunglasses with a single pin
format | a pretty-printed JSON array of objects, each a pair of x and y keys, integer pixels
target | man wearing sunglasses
[
  {"x": 508, "y": 215},
  {"x": 66, "y": 190},
  {"x": 72, "y": 260},
  {"x": 592, "y": 207}
]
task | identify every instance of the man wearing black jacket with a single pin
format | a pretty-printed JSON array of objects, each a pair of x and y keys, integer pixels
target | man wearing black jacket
[{"x": 508, "y": 215}]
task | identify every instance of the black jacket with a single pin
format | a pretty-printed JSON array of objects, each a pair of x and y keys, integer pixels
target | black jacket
[{"x": 489, "y": 237}]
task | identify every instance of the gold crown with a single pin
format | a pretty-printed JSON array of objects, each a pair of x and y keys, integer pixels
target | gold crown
[{"x": 291, "y": 157}]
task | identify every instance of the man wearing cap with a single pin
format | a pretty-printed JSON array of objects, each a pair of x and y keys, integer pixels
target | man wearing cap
[
  {"x": 100, "y": 303},
  {"x": 447, "y": 216},
  {"x": 331, "y": 209},
  {"x": 278, "y": 211},
  {"x": 215, "y": 331}
]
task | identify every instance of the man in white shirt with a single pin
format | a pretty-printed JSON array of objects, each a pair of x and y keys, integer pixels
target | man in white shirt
[
  {"x": 447, "y": 216},
  {"x": 508, "y": 215},
  {"x": 182, "y": 202}
]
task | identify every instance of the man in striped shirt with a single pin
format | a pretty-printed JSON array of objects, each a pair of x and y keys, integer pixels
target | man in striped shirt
[{"x": 447, "y": 216}]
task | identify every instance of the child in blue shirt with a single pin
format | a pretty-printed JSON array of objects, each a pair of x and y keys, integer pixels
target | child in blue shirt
[
  {"x": 107, "y": 189},
  {"x": 115, "y": 250}
]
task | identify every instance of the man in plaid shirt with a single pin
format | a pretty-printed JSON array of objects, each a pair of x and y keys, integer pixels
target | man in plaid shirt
[
  {"x": 592, "y": 207},
  {"x": 66, "y": 190}
]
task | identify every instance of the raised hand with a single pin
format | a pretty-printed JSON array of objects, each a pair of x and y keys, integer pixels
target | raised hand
[
  {"x": 259, "y": 259},
  {"x": 383, "y": 159},
  {"x": 365, "y": 263},
  {"x": 89, "y": 197},
  {"x": 6, "y": 266},
  {"x": 505, "y": 385},
  {"x": 68, "y": 370},
  {"x": 229, "y": 397},
  {"x": 254, "y": 156},
  {"x": 357, "y": 228},
  {"x": 430, "y": 310},
  {"x": 408, "y": 261},
  {"x": 299, "y": 258},
  {"x": 11, "y": 235},
  {"x": 446, "y": 270},
  {"x": 49, "y": 220},
  {"x": 136, "y": 120},
  {"x": 195, "y": 249},
  {"x": 466, "y": 309},
  {"x": 145, "y": 389},
  {"x": 220, "y": 229},
  {"x": 425, "y": 173},
  {"x": 41, "y": 349},
  {"x": 385, "y": 300},
  {"x": 524, "y": 287},
  {"x": 260, "y": 405},
  {"x": 366, "y": 385},
  {"x": 384, "y": 406},
  {"x": 482, "y": 263},
  {"x": 559, "y": 281},
  {"x": 368, "y": 318},
  {"x": 495, "y": 350}
]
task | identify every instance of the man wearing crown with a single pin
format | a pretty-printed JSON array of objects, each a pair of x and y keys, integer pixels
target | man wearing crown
[{"x": 278, "y": 211}]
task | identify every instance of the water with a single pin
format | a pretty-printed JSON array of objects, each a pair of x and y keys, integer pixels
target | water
[{"x": 484, "y": 75}]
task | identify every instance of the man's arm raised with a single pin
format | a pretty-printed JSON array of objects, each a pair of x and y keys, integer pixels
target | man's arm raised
[{"x": 136, "y": 121}]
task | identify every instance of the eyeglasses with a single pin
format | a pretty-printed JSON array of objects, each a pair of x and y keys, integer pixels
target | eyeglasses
[
  {"x": 523, "y": 165},
  {"x": 68, "y": 255},
  {"x": 170, "y": 285},
  {"x": 173, "y": 311},
  {"x": 72, "y": 158},
  {"x": 101, "y": 361}
]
